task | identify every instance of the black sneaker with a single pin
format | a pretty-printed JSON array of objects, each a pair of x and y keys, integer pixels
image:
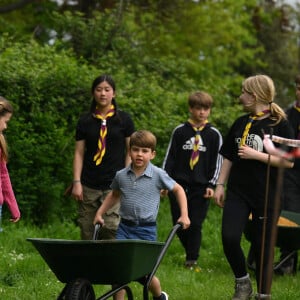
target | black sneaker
[
  {"x": 163, "y": 296},
  {"x": 190, "y": 264}
]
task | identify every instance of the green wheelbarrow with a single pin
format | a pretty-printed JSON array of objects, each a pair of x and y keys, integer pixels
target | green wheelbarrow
[
  {"x": 81, "y": 263},
  {"x": 288, "y": 237}
]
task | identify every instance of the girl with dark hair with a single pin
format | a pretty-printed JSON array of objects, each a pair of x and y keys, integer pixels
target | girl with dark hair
[{"x": 102, "y": 141}]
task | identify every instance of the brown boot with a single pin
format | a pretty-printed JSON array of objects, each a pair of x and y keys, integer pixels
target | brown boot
[{"x": 243, "y": 289}]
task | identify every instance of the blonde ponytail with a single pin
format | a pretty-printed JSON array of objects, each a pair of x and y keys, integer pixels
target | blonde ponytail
[{"x": 262, "y": 86}]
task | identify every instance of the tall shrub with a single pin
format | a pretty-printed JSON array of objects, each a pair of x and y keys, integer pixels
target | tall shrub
[{"x": 48, "y": 89}]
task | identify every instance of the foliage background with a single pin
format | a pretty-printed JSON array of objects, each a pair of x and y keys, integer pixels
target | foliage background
[{"x": 157, "y": 51}]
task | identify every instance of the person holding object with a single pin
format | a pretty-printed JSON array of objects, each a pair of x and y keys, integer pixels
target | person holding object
[
  {"x": 101, "y": 149},
  {"x": 137, "y": 188},
  {"x": 291, "y": 185},
  {"x": 193, "y": 160},
  {"x": 246, "y": 170},
  {"x": 7, "y": 195}
]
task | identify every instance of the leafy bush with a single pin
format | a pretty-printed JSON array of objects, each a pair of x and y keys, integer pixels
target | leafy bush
[{"x": 48, "y": 89}]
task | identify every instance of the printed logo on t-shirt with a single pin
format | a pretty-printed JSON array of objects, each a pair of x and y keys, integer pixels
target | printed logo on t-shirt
[
  {"x": 189, "y": 145},
  {"x": 254, "y": 141}
]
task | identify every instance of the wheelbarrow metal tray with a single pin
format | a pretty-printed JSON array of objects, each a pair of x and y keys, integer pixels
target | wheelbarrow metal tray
[
  {"x": 287, "y": 236},
  {"x": 101, "y": 262}
]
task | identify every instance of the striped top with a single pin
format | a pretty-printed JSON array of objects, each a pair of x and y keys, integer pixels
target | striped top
[{"x": 140, "y": 196}]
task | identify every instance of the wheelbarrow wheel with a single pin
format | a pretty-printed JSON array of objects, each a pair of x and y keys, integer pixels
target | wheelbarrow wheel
[{"x": 79, "y": 289}]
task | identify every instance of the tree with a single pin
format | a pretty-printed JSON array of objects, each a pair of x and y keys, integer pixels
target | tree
[{"x": 277, "y": 34}]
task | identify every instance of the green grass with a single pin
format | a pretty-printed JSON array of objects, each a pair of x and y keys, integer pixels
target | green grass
[{"x": 24, "y": 275}]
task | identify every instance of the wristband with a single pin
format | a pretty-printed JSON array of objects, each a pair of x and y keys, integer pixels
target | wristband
[
  {"x": 222, "y": 184},
  {"x": 76, "y": 181}
]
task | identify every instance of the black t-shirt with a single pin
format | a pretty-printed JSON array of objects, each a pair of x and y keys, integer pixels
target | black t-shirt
[
  {"x": 293, "y": 116},
  {"x": 248, "y": 177},
  {"x": 292, "y": 176},
  {"x": 119, "y": 127}
]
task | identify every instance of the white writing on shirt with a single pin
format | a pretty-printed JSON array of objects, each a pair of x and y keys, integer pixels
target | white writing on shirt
[
  {"x": 189, "y": 145},
  {"x": 254, "y": 141}
]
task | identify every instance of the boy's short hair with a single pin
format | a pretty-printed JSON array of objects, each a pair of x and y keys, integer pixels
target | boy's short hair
[
  {"x": 297, "y": 79},
  {"x": 144, "y": 139},
  {"x": 200, "y": 99}
]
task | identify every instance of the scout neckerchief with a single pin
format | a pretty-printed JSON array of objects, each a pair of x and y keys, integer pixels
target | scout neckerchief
[
  {"x": 249, "y": 124},
  {"x": 103, "y": 132},
  {"x": 195, "y": 154}
]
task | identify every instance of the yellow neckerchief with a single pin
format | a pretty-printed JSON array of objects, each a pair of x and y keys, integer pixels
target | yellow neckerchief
[
  {"x": 195, "y": 154},
  {"x": 103, "y": 132},
  {"x": 249, "y": 124}
]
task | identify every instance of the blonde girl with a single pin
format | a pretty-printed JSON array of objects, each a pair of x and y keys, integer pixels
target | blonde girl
[{"x": 245, "y": 172}]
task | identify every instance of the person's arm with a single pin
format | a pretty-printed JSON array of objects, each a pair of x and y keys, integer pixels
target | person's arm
[
  {"x": 209, "y": 192},
  {"x": 110, "y": 200},
  {"x": 219, "y": 195},
  {"x": 169, "y": 160},
  {"x": 246, "y": 152},
  {"x": 127, "y": 156},
  {"x": 8, "y": 194},
  {"x": 77, "y": 169},
  {"x": 216, "y": 160},
  {"x": 171, "y": 153},
  {"x": 182, "y": 202}
]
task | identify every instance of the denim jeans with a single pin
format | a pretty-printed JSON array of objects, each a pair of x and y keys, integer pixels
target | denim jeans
[{"x": 148, "y": 233}]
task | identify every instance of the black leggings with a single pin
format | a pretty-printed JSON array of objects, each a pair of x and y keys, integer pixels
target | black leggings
[
  {"x": 235, "y": 217},
  {"x": 197, "y": 209}
]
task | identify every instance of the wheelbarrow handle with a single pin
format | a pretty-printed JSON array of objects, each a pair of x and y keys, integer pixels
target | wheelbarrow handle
[
  {"x": 176, "y": 227},
  {"x": 168, "y": 241},
  {"x": 96, "y": 231}
]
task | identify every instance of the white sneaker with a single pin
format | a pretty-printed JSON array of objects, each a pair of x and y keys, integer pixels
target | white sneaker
[{"x": 166, "y": 297}]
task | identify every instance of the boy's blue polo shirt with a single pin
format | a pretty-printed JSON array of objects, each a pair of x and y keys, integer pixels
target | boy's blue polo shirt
[{"x": 140, "y": 196}]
